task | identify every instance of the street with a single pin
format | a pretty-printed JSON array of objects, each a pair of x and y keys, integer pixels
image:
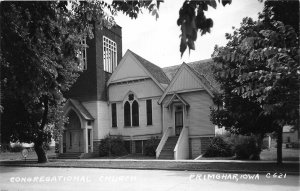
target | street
[{"x": 34, "y": 178}]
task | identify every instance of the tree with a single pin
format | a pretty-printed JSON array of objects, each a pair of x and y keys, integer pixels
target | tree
[
  {"x": 261, "y": 65},
  {"x": 192, "y": 18},
  {"x": 38, "y": 63},
  {"x": 40, "y": 43}
]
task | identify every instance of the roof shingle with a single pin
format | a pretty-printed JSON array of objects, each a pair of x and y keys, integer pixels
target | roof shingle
[
  {"x": 154, "y": 70},
  {"x": 202, "y": 68}
]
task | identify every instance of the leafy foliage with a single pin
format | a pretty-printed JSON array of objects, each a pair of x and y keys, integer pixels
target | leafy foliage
[
  {"x": 113, "y": 145},
  {"x": 218, "y": 148},
  {"x": 192, "y": 18},
  {"x": 38, "y": 63},
  {"x": 40, "y": 43},
  {"x": 259, "y": 74},
  {"x": 151, "y": 145},
  {"x": 246, "y": 147}
]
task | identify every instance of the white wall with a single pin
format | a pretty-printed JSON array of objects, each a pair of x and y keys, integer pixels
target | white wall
[
  {"x": 130, "y": 69},
  {"x": 143, "y": 90},
  {"x": 99, "y": 110},
  {"x": 197, "y": 116}
]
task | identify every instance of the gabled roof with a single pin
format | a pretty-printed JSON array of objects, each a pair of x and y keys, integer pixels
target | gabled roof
[
  {"x": 153, "y": 71},
  {"x": 202, "y": 68},
  {"x": 79, "y": 108},
  {"x": 156, "y": 71},
  {"x": 177, "y": 97},
  {"x": 201, "y": 79}
]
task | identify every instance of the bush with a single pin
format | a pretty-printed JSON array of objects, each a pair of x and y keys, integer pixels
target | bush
[
  {"x": 151, "y": 145},
  {"x": 5, "y": 147},
  {"x": 218, "y": 148},
  {"x": 246, "y": 147},
  {"x": 295, "y": 145},
  {"x": 16, "y": 148},
  {"x": 113, "y": 145}
]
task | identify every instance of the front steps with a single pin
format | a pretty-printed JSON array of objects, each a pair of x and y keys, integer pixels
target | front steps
[
  {"x": 168, "y": 150},
  {"x": 75, "y": 155}
]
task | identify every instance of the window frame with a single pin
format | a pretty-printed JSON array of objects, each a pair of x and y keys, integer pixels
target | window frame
[
  {"x": 83, "y": 54},
  {"x": 127, "y": 114},
  {"x": 149, "y": 112},
  {"x": 131, "y": 99},
  {"x": 110, "y": 52},
  {"x": 135, "y": 118},
  {"x": 114, "y": 121}
]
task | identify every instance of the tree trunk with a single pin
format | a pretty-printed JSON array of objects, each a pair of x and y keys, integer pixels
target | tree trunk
[
  {"x": 279, "y": 145},
  {"x": 38, "y": 144},
  {"x": 260, "y": 143},
  {"x": 40, "y": 152}
]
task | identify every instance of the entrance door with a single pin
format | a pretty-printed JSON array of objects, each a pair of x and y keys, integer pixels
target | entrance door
[
  {"x": 75, "y": 143},
  {"x": 178, "y": 120}
]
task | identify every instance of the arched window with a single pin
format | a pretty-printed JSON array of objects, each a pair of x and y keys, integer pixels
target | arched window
[
  {"x": 127, "y": 114},
  {"x": 135, "y": 113}
]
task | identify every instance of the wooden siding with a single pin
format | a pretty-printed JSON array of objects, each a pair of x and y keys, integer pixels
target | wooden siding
[
  {"x": 130, "y": 69},
  {"x": 143, "y": 128},
  {"x": 195, "y": 144},
  {"x": 197, "y": 116},
  {"x": 98, "y": 109},
  {"x": 143, "y": 89},
  {"x": 91, "y": 106},
  {"x": 185, "y": 81}
]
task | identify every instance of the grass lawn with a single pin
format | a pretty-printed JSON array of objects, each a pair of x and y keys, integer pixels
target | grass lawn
[
  {"x": 137, "y": 157},
  {"x": 288, "y": 154},
  {"x": 165, "y": 165},
  {"x": 18, "y": 156}
]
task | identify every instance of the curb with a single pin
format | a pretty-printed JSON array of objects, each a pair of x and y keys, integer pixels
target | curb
[{"x": 154, "y": 168}]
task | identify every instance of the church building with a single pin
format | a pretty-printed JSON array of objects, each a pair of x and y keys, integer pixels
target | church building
[{"x": 136, "y": 99}]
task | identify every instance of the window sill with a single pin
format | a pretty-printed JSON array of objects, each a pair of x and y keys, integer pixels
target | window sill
[{"x": 131, "y": 126}]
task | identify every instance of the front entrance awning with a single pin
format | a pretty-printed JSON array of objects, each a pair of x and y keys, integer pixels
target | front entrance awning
[
  {"x": 80, "y": 109},
  {"x": 176, "y": 99}
]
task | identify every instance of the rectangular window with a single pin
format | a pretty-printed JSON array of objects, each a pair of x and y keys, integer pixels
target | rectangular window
[
  {"x": 114, "y": 115},
  {"x": 138, "y": 146},
  {"x": 149, "y": 111},
  {"x": 70, "y": 139},
  {"x": 83, "y": 55},
  {"x": 89, "y": 137},
  {"x": 109, "y": 55}
]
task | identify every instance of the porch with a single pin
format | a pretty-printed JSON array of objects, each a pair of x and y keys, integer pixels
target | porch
[{"x": 76, "y": 140}]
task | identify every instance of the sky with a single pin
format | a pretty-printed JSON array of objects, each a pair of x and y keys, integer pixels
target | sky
[{"x": 158, "y": 40}]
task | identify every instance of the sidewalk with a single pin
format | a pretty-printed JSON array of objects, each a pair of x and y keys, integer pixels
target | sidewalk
[
  {"x": 227, "y": 166},
  {"x": 179, "y": 161}
]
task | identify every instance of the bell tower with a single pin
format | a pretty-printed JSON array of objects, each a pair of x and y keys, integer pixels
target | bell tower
[{"x": 100, "y": 58}]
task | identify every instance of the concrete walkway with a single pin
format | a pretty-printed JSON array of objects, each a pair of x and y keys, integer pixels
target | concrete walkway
[{"x": 177, "y": 161}]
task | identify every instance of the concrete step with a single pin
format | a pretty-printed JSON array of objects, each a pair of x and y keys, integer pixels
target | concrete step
[
  {"x": 166, "y": 156},
  {"x": 167, "y": 151}
]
